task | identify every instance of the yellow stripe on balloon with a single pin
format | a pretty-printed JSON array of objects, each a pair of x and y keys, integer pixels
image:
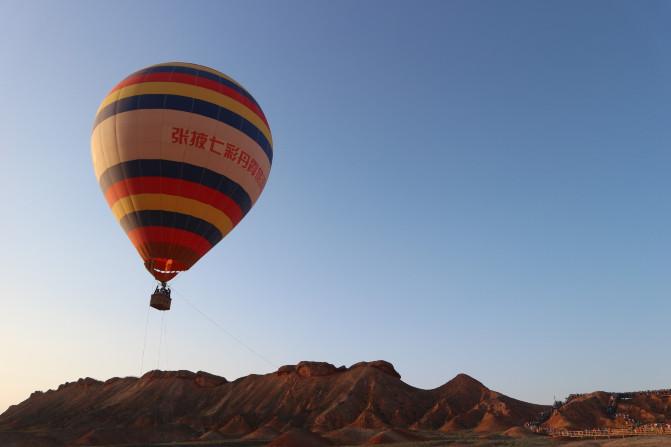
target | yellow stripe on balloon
[
  {"x": 190, "y": 91},
  {"x": 176, "y": 204}
]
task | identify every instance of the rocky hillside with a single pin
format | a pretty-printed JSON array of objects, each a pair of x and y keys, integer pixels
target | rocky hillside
[
  {"x": 612, "y": 410},
  {"x": 366, "y": 402}
]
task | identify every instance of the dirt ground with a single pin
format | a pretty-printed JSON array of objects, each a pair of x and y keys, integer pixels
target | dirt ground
[{"x": 472, "y": 440}]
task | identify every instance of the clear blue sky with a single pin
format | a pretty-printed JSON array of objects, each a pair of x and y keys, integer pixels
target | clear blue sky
[{"x": 458, "y": 186}]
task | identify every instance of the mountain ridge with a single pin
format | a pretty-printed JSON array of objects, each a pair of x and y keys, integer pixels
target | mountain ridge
[{"x": 339, "y": 404}]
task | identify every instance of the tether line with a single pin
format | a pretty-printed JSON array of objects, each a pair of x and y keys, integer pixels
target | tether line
[
  {"x": 160, "y": 341},
  {"x": 224, "y": 330}
]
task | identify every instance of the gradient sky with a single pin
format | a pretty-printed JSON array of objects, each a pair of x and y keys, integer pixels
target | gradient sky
[{"x": 458, "y": 186}]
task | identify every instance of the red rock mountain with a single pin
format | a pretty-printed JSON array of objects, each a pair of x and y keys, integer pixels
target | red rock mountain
[
  {"x": 311, "y": 403},
  {"x": 627, "y": 409}
]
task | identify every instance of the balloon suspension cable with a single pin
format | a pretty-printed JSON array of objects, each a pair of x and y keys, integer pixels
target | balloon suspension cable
[
  {"x": 144, "y": 343},
  {"x": 224, "y": 330}
]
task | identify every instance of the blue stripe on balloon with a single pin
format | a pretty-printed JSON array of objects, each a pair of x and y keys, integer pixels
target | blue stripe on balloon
[
  {"x": 191, "y": 105},
  {"x": 169, "y": 219}
]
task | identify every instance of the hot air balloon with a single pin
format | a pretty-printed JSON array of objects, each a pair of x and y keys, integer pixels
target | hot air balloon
[{"x": 181, "y": 152}]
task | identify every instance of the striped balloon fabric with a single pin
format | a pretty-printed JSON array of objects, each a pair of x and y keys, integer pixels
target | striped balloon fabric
[{"x": 181, "y": 152}]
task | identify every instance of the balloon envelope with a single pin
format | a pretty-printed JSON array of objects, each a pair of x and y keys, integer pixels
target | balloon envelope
[{"x": 181, "y": 152}]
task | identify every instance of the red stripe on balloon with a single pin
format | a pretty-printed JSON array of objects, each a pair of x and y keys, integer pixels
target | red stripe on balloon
[
  {"x": 174, "y": 187},
  {"x": 166, "y": 257},
  {"x": 183, "y": 78},
  {"x": 171, "y": 236}
]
